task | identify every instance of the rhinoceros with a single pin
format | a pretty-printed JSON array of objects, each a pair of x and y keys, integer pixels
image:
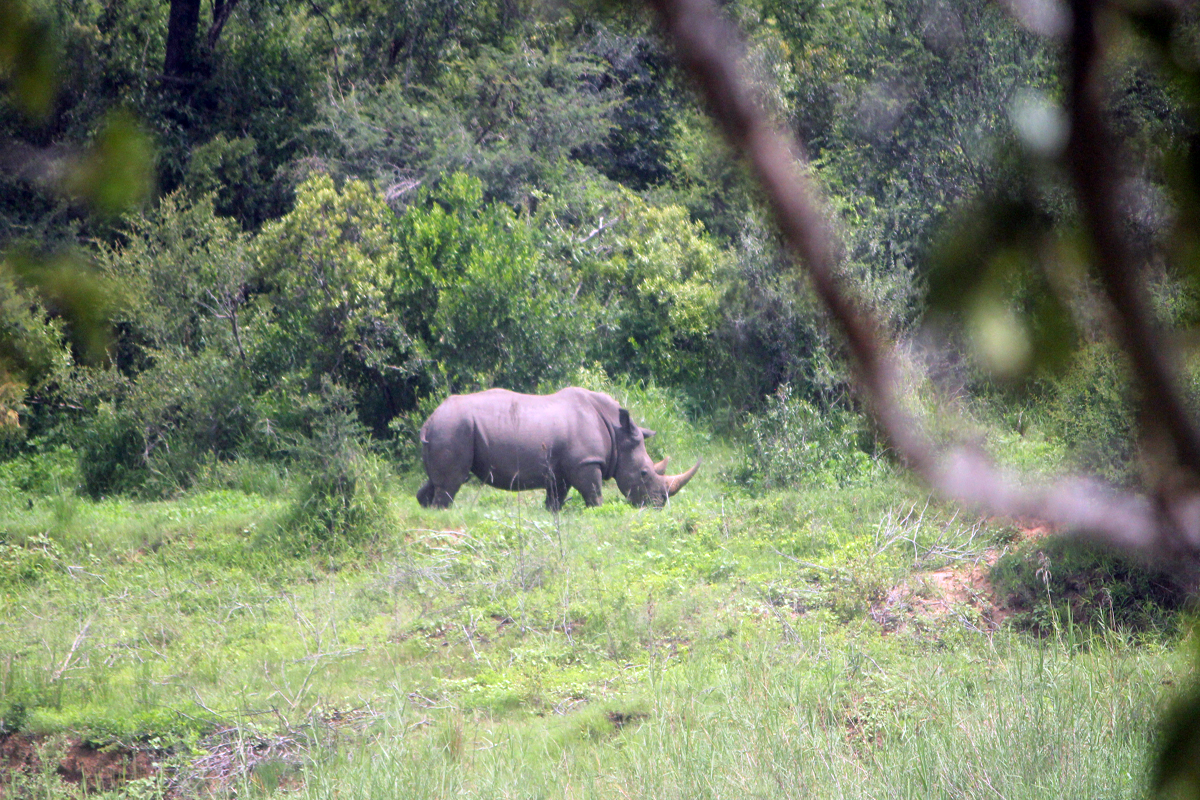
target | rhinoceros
[{"x": 574, "y": 437}]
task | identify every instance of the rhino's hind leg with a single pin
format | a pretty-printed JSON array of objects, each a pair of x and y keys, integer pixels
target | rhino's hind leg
[{"x": 556, "y": 495}]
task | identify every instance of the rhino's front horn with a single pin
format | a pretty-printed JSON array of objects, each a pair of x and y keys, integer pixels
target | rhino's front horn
[
  {"x": 677, "y": 482},
  {"x": 661, "y": 466}
]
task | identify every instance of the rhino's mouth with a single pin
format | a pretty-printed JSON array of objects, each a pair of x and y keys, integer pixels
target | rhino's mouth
[
  {"x": 648, "y": 498},
  {"x": 656, "y": 490}
]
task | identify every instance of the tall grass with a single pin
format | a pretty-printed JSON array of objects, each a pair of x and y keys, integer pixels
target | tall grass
[
  {"x": 728, "y": 645},
  {"x": 840, "y": 718}
]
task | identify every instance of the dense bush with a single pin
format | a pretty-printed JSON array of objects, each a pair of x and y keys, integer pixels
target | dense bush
[
  {"x": 183, "y": 271},
  {"x": 111, "y": 454},
  {"x": 1091, "y": 410},
  {"x": 1054, "y": 582},
  {"x": 791, "y": 443},
  {"x": 514, "y": 119},
  {"x": 158, "y": 430},
  {"x": 771, "y": 332},
  {"x": 486, "y": 305},
  {"x": 342, "y": 502},
  {"x": 655, "y": 296},
  {"x": 321, "y": 306}
]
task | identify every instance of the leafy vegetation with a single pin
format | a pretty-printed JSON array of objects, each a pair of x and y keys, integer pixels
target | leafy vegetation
[
  {"x": 501, "y": 195},
  {"x": 497, "y": 646},
  {"x": 245, "y": 249}
]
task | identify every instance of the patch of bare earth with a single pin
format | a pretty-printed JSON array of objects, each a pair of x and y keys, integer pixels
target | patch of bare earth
[
  {"x": 79, "y": 763},
  {"x": 225, "y": 759},
  {"x": 959, "y": 592}
]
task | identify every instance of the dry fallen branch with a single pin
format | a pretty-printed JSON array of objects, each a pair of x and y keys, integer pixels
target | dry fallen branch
[
  {"x": 229, "y": 757},
  {"x": 1168, "y": 523},
  {"x": 66, "y": 664}
]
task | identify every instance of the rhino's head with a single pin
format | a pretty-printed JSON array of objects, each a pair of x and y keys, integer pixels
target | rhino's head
[{"x": 639, "y": 478}]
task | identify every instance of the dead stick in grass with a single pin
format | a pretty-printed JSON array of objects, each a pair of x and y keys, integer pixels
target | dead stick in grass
[{"x": 79, "y": 637}]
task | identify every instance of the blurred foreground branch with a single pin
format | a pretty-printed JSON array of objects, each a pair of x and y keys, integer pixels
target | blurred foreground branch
[
  {"x": 1167, "y": 523},
  {"x": 1093, "y": 160}
]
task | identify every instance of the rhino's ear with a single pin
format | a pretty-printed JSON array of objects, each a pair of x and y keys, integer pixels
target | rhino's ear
[
  {"x": 626, "y": 422},
  {"x": 646, "y": 433}
]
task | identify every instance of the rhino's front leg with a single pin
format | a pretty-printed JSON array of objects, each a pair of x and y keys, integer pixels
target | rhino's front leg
[
  {"x": 432, "y": 496},
  {"x": 588, "y": 479}
]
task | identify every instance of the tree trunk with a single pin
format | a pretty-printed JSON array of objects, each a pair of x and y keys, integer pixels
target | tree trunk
[
  {"x": 221, "y": 11},
  {"x": 181, "y": 38}
]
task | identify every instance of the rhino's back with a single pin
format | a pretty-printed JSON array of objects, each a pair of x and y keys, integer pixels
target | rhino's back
[
  {"x": 516, "y": 440},
  {"x": 504, "y": 412}
]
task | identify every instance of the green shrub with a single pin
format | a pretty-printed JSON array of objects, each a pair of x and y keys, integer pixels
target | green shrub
[
  {"x": 111, "y": 454},
  {"x": 793, "y": 443},
  {"x": 342, "y": 504},
  {"x": 1055, "y": 581},
  {"x": 44, "y": 472},
  {"x": 322, "y": 311},
  {"x": 179, "y": 393},
  {"x": 1091, "y": 412},
  {"x": 471, "y": 282},
  {"x": 656, "y": 296},
  {"x": 183, "y": 272},
  {"x": 178, "y": 415}
]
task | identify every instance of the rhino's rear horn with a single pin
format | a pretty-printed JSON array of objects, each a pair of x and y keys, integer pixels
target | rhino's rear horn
[
  {"x": 677, "y": 482},
  {"x": 661, "y": 466}
]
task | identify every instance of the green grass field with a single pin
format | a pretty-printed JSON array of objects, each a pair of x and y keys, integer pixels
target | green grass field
[{"x": 730, "y": 645}]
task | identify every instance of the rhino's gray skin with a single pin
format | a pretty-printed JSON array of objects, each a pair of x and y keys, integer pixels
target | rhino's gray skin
[{"x": 573, "y": 437}]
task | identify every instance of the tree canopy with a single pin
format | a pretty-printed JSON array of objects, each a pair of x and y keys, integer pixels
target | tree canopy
[{"x": 243, "y": 205}]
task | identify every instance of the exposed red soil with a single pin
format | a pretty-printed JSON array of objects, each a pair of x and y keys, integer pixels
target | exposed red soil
[
  {"x": 225, "y": 758},
  {"x": 99, "y": 769},
  {"x": 963, "y": 592}
]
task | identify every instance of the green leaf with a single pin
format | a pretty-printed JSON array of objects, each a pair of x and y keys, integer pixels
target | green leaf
[
  {"x": 1177, "y": 765},
  {"x": 73, "y": 291},
  {"x": 118, "y": 171},
  {"x": 28, "y": 58}
]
